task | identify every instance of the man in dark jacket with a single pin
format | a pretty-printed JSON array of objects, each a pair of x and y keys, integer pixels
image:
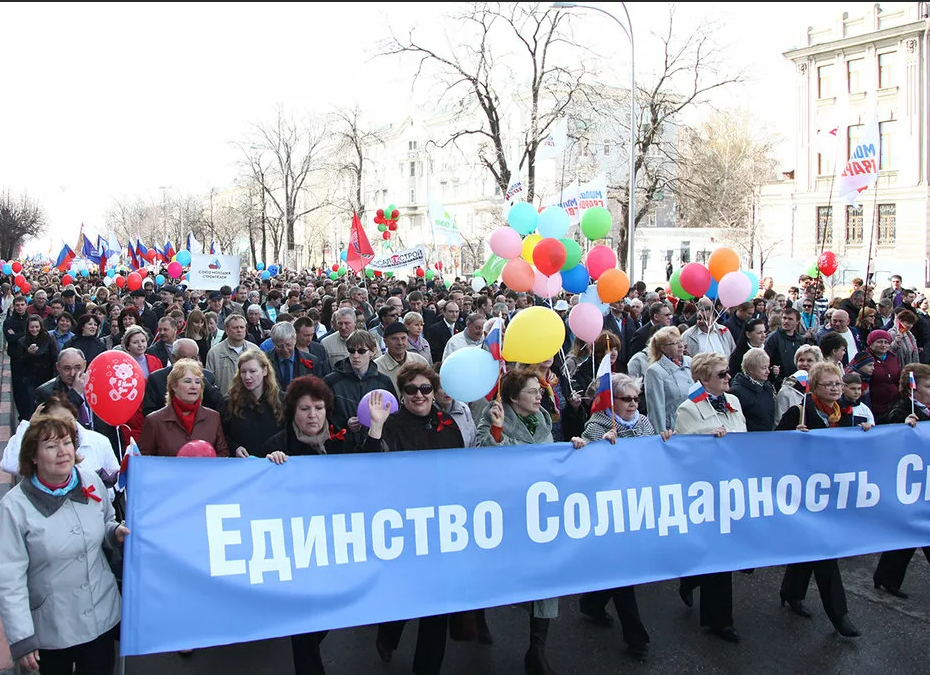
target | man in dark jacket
[
  {"x": 783, "y": 343},
  {"x": 736, "y": 324},
  {"x": 147, "y": 317},
  {"x": 156, "y": 387},
  {"x": 72, "y": 306},
  {"x": 14, "y": 327},
  {"x": 287, "y": 362},
  {"x": 257, "y": 327},
  {"x": 439, "y": 333},
  {"x": 305, "y": 333},
  {"x": 167, "y": 333},
  {"x": 659, "y": 316}
]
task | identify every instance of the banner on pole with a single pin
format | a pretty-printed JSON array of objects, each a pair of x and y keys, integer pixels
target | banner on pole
[
  {"x": 333, "y": 541},
  {"x": 568, "y": 200},
  {"x": 593, "y": 193},
  {"x": 398, "y": 260},
  {"x": 444, "y": 228},
  {"x": 212, "y": 272},
  {"x": 861, "y": 169}
]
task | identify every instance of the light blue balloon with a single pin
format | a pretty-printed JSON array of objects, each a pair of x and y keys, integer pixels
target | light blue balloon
[
  {"x": 344, "y": 255},
  {"x": 160, "y": 279},
  {"x": 8, "y": 269},
  {"x": 712, "y": 291},
  {"x": 259, "y": 266},
  {"x": 755, "y": 284},
  {"x": 15, "y": 289},
  {"x": 469, "y": 374},
  {"x": 111, "y": 272},
  {"x": 590, "y": 295},
  {"x": 183, "y": 256},
  {"x": 576, "y": 280},
  {"x": 523, "y": 218},
  {"x": 553, "y": 222},
  {"x": 266, "y": 274},
  {"x": 273, "y": 270},
  {"x": 84, "y": 272}
]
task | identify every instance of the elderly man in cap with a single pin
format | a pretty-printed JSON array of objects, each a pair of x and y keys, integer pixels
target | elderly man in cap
[
  {"x": 147, "y": 318},
  {"x": 215, "y": 304},
  {"x": 72, "y": 306},
  {"x": 395, "y": 338}
]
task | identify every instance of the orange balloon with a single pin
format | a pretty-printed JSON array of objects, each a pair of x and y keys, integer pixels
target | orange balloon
[
  {"x": 612, "y": 285},
  {"x": 518, "y": 275},
  {"x": 722, "y": 262}
]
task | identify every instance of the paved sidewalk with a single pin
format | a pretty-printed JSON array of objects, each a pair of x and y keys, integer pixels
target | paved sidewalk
[{"x": 7, "y": 415}]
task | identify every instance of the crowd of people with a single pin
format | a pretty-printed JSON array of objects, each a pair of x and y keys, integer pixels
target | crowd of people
[{"x": 278, "y": 367}]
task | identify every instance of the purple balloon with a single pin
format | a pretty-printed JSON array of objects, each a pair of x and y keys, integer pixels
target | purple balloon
[{"x": 364, "y": 412}]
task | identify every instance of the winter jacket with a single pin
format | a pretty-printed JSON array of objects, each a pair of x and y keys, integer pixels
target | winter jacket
[
  {"x": 701, "y": 418},
  {"x": 515, "y": 432},
  {"x": 757, "y": 402},
  {"x": 884, "y": 385},
  {"x": 163, "y": 435},
  {"x": 90, "y": 346},
  {"x": 348, "y": 391},
  {"x": 38, "y": 367},
  {"x": 252, "y": 430},
  {"x": 223, "y": 361},
  {"x": 666, "y": 387},
  {"x": 781, "y": 349}
]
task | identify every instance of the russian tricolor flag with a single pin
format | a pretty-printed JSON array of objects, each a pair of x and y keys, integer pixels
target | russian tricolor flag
[
  {"x": 604, "y": 394},
  {"x": 132, "y": 450},
  {"x": 912, "y": 381},
  {"x": 168, "y": 251},
  {"x": 801, "y": 378},
  {"x": 493, "y": 340},
  {"x": 697, "y": 392},
  {"x": 64, "y": 258}
]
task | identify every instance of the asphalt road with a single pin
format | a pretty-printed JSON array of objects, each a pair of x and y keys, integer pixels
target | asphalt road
[{"x": 895, "y": 636}]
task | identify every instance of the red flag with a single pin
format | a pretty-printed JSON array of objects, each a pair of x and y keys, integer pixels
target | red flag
[{"x": 360, "y": 252}]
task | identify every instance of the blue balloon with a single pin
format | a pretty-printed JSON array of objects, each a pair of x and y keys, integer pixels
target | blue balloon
[
  {"x": 160, "y": 279},
  {"x": 590, "y": 295},
  {"x": 111, "y": 272},
  {"x": 712, "y": 291},
  {"x": 259, "y": 266},
  {"x": 8, "y": 269},
  {"x": 523, "y": 218},
  {"x": 553, "y": 222},
  {"x": 266, "y": 274},
  {"x": 344, "y": 255},
  {"x": 273, "y": 270},
  {"x": 469, "y": 374},
  {"x": 576, "y": 280},
  {"x": 84, "y": 272},
  {"x": 754, "y": 289},
  {"x": 183, "y": 256},
  {"x": 15, "y": 289}
]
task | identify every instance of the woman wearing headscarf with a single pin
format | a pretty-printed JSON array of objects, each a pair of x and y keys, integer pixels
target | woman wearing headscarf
[
  {"x": 718, "y": 413},
  {"x": 886, "y": 373},
  {"x": 252, "y": 410},
  {"x": 819, "y": 410}
]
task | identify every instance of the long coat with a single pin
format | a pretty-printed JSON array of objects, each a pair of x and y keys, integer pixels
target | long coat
[
  {"x": 666, "y": 387},
  {"x": 701, "y": 418},
  {"x": 757, "y": 402}
]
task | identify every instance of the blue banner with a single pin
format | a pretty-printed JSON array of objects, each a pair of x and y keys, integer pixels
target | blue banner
[{"x": 231, "y": 551}]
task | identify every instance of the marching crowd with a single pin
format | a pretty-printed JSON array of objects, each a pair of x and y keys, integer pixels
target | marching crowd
[{"x": 277, "y": 367}]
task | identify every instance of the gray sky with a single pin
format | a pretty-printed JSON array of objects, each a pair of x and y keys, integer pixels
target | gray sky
[{"x": 102, "y": 101}]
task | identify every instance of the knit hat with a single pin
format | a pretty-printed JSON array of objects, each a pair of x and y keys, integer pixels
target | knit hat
[
  {"x": 859, "y": 360},
  {"x": 878, "y": 335}
]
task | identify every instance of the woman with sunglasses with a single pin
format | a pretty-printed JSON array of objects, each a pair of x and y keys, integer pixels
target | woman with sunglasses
[
  {"x": 717, "y": 413},
  {"x": 518, "y": 418},
  {"x": 418, "y": 425},
  {"x": 821, "y": 410},
  {"x": 352, "y": 378},
  {"x": 623, "y": 421}
]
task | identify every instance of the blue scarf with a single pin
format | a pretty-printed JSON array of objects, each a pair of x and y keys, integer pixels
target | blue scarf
[
  {"x": 623, "y": 423},
  {"x": 60, "y": 492}
]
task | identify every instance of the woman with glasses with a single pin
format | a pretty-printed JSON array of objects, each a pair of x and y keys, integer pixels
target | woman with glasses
[
  {"x": 717, "y": 413},
  {"x": 352, "y": 378},
  {"x": 418, "y": 425},
  {"x": 622, "y": 421},
  {"x": 518, "y": 418},
  {"x": 821, "y": 410},
  {"x": 668, "y": 378}
]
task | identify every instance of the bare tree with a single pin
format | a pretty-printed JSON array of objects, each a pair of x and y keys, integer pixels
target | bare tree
[
  {"x": 21, "y": 218},
  {"x": 352, "y": 140},
  {"x": 482, "y": 69}
]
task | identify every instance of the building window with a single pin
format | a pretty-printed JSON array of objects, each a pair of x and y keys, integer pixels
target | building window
[
  {"x": 886, "y": 139},
  {"x": 606, "y": 149},
  {"x": 853, "y": 225},
  {"x": 823, "y": 81},
  {"x": 411, "y": 145},
  {"x": 413, "y": 196},
  {"x": 824, "y": 225},
  {"x": 853, "y": 136},
  {"x": 886, "y": 64},
  {"x": 886, "y": 224},
  {"x": 825, "y": 163},
  {"x": 413, "y": 169},
  {"x": 685, "y": 252},
  {"x": 855, "y": 75}
]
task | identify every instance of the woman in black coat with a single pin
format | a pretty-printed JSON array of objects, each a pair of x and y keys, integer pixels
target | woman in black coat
[
  {"x": 38, "y": 353},
  {"x": 821, "y": 411},
  {"x": 252, "y": 411},
  {"x": 753, "y": 336},
  {"x": 85, "y": 337},
  {"x": 754, "y": 391}
]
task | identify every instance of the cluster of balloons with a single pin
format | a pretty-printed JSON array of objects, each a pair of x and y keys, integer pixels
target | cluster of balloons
[
  {"x": 386, "y": 220},
  {"x": 337, "y": 271},
  {"x": 429, "y": 274},
  {"x": 373, "y": 274},
  {"x": 720, "y": 279},
  {"x": 12, "y": 268},
  {"x": 272, "y": 270}
]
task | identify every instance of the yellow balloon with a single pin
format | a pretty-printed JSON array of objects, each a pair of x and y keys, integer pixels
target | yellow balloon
[
  {"x": 533, "y": 335},
  {"x": 529, "y": 243}
]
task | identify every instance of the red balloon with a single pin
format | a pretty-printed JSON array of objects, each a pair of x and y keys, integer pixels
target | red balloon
[
  {"x": 115, "y": 386},
  {"x": 439, "y": 265},
  {"x": 17, "y": 267},
  {"x": 25, "y": 288},
  {"x": 120, "y": 281},
  {"x": 386, "y": 234},
  {"x": 335, "y": 268},
  {"x": 150, "y": 255},
  {"x": 826, "y": 263},
  {"x": 392, "y": 226},
  {"x": 377, "y": 273},
  {"x": 65, "y": 280},
  {"x": 380, "y": 213},
  {"x": 196, "y": 448},
  {"x": 599, "y": 259},
  {"x": 20, "y": 280},
  {"x": 134, "y": 281},
  {"x": 695, "y": 279},
  {"x": 395, "y": 214},
  {"x": 549, "y": 256},
  {"x": 420, "y": 272}
]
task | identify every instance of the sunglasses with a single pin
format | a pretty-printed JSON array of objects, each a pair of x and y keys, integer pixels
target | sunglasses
[
  {"x": 360, "y": 350},
  {"x": 628, "y": 399},
  {"x": 412, "y": 389},
  {"x": 722, "y": 374}
]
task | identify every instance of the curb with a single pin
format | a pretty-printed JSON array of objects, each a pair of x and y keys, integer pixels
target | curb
[{"x": 7, "y": 414}]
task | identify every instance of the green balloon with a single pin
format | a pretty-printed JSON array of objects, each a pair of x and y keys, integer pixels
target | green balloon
[
  {"x": 341, "y": 272},
  {"x": 389, "y": 210},
  {"x": 370, "y": 273},
  {"x": 448, "y": 283},
  {"x": 333, "y": 276},
  {"x": 814, "y": 270},
  {"x": 596, "y": 223},
  {"x": 677, "y": 290},
  {"x": 572, "y": 253},
  {"x": 382, "y": 228},
  {"x": 430, "y": 274},
  {"x": 389, "y": 274}
]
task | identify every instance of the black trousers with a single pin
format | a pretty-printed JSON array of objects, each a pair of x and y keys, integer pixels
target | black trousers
[
  {"x": 716, "y": 597},
  {"x": 24, "y": 394},
  {"x": 829, "y": 582},
  {"x": 634, "y": 632},
  {"x": 306, "y": 650},
  {"x": 97, "y": 657},
  {"x": 431, "y": 641},
  {"x": 892, "y": 566}
]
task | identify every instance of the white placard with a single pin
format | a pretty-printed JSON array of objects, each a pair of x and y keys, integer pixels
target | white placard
[{"x": 212, "y": 272}]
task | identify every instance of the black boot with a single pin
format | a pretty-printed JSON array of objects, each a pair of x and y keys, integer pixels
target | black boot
[{"x": 535, "y": 659}]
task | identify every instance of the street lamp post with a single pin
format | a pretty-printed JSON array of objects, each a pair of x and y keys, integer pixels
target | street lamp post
[{"x": 628, "y": 31}]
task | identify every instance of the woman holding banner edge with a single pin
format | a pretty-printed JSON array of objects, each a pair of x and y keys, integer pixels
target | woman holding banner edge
[{"x": 819, "y": 410}]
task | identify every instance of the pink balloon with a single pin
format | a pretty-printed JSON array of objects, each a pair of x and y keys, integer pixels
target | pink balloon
[
  {"x": 600, "y": 258},
  {"x": 695, "y": 279},
  {"x": 733, "y": 289},
  {"x": 175, "y": 270},
  {"x": 506, "y": 243},
  {"x": 546, "y": 287},
  {"x": 196, "y": 448},
  {"x": 586, "y": 321}
]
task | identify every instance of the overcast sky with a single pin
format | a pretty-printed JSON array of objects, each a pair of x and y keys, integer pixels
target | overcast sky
[{"x": 103, "y": 101}]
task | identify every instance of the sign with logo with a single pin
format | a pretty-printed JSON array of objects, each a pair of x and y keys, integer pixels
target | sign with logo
[
  {"x": 398, "y": 260},
  {"x": 212, "y": 272}
]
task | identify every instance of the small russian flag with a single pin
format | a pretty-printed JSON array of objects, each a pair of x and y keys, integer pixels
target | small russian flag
[
  {"x": 493, "y": 340},
  {"x": 801, "y": 378},
  {"x": 913, "y": 381},
  {"x": 604, "y": 395},
  {"x": 132, "y": 450},
  {"x": 697, "y": 392}
]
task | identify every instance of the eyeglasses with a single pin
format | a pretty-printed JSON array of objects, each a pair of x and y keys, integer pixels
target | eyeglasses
[
  {"x": 807, "y": 306},
  {"x": 531, "y": 392},
  {"x": 628, "y": 399},
  {"x": 677, "y": 343},
  {"x": 411, "y": 389},
  {"x": 831, "y": 385},
  {"x": 360, "y": 350},
  {"x": 722, "y": 374}
]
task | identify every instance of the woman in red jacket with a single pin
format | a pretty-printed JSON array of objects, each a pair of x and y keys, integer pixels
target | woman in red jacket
[{"x": 883, "y": 387}]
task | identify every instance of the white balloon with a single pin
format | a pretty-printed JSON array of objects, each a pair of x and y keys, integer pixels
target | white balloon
[
  {"x": 478, "y": 283},
  {"x": 107, "y": 280}
]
